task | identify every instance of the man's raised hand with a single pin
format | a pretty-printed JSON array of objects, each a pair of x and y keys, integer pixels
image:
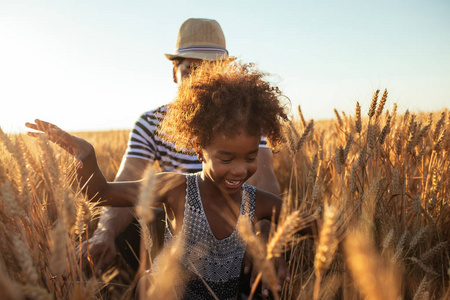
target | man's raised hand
[{"x": 79, "y": 148}]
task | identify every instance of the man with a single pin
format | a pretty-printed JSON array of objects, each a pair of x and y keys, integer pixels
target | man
[{"x": 198, "y": 39}]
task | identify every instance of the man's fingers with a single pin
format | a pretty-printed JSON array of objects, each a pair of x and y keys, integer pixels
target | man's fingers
[
  {"x": 264, "y": 290},
  {"x": 247, "y": 263},
  {"x": 45, "y": 126},
  {"x": 53, "y": 132},
  {"x": 282, "y": 270},
  {"x": 253, "y": 276},
  {"x": 89, "y": 257},
  {"x": 105, "y": 260},
  {"x": 99, "y": 255},
  {"x": 31, "y": 125},
  {"x": 83, "y": 254},
  {"x": 35, "y": 134},
  {"x": 284, "y": 274},
  {"x": 42, "y": 126},
  {"x": 77, "y": 147}
]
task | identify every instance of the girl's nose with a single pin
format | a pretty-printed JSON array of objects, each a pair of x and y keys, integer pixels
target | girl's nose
[{"x": 239, "y": 169}]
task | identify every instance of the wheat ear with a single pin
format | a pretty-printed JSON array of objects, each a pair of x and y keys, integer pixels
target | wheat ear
[
  {"x": 302, "y": 118},
  {"x": 373, "y": 104},
  {"x": 374, "y": 277},
  {"x": 381, "y": 104},
  {"x": 358, "y": 122},
  {"x": 328, "y": 243},
  {"x": 308, "y": 130}
]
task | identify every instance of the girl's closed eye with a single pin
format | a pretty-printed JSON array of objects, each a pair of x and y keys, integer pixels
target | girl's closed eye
[
  {"x": 225, "y": 160},
  {"x": 251, "y": 159},
  {"x": 228, "y": 160}
]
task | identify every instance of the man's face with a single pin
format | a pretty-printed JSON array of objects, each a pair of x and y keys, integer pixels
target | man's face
[{"x": 184, "y": 69}]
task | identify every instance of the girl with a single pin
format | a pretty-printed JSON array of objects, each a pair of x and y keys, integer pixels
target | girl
[{"x": 220, "y": 112}]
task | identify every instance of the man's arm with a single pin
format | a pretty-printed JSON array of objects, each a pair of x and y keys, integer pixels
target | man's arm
[
  {"x": 265, "y": 178},
  {"x": 114, "y": 220}
]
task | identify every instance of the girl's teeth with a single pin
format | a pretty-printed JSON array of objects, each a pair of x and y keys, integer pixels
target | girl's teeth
[{"x": 232, "y": 182}]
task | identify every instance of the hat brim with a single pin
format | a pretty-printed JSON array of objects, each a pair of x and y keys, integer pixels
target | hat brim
[{"x": 198, "y": 55}]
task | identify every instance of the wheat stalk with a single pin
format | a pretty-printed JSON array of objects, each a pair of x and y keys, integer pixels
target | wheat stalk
[
  {"x": 432, "y": 252},
  {"x": 166, "y": 276},
  {"x": 381, "y": 105},
  {"x": 371, "y": 136},
  {"x": 399, "y": 249},
  {"x": 358, "y": 122},
  {"x": 338, "y": 117},
  {"x": 423, "y": 266},
  {"x": 285, "y": 232},
  {"x": 422, "y": 294},
  {"x": 302, "y": 118},
  {"x": 374, "y": 277},
  {"x": 348, "y": 146},
  {"x": 10, "y": 289},
  {"x": 58, "y": 249},
  {"x": 387, "y": 241},
  {"x": 373, "y": 104},
  {"x": 25, "y": 260},
  {"x": 35, "y": 292},
  {"x": 385, "y": 131},
  {"x": 328, "y": 243},
  {"x": 308, "y": 130},
  {"x": 261, "y": 259}
]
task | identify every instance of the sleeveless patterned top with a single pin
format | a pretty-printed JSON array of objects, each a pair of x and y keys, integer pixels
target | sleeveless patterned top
[{"x": 207, "y": 259}]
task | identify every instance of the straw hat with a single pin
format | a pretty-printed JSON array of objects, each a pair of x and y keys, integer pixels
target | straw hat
[{"x": 200, "y": 38}]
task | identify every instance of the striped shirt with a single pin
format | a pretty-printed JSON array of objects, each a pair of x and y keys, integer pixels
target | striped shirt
[{"x": 145, "y": 143}]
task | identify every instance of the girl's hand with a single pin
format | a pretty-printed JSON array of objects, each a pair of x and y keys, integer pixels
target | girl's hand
[{"x": 78, "y": 147}]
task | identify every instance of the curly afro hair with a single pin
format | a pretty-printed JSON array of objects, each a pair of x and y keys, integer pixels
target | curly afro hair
[{"x": 224, "y": 97}]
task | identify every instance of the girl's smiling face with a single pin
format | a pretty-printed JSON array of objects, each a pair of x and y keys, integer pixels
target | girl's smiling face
[{"x": 229, "y": 161}]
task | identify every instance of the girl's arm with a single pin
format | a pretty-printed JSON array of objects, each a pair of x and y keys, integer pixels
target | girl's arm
[
  {"x": 268, "y": 206},
  {"x": 90, "y": 177}
]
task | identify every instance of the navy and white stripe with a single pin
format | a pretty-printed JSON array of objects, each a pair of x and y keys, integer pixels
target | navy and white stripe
[{"x": 208, "y": 49}]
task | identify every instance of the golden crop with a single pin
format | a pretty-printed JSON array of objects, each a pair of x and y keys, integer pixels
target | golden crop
[{"x": 377, "y": 181}]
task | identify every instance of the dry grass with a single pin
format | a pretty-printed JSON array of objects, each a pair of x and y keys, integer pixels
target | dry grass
[{"x": 378, "y": 181}]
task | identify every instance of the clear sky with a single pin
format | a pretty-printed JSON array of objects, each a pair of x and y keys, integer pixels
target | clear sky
[{"x": 97, "y": 65}]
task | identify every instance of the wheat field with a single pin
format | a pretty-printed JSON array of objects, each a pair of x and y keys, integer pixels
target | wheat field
[{"x": 377, "y": 181}]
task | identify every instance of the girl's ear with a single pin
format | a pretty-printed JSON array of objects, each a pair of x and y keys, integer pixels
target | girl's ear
[{"x": 200, "y": 155}]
